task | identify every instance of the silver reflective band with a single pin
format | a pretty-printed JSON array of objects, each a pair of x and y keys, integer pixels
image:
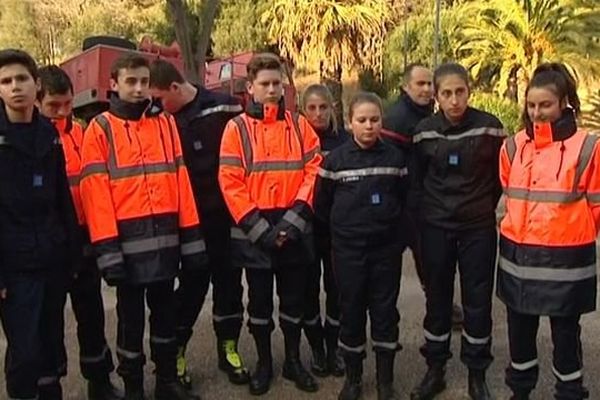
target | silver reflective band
[
  {"x": 288, "y": 318},
  {"x": 150, "y": 244},
  {"x": 357, "y": 349},
  {"x": 146, "y": 169},
  {"x": 132, "y": 355},
  {"x": 593, "y": 197},
  {"x": 547, "y": 274},
  {"x": 230, "y": 108},
  {"x": 436, "y": 338},
  {"x": 312, "y": 322},
  {"x": 332, "y": 321},
  {"x": 159, "y": 340},
  {"x": 351, "y": 173},
  {"x": 567, "y": 377},
  {"x": 237, "y": 233},
  {"x": 195, "y": 247},
  {"x": 276, "y": 165},
  {"x": 221, "y": 318},
  {"x": 258, "y": 229},
  {"x": 542, "y": 196},
  {"x": 259, "y": 321},
  {"x": 585, "y": 155},
  {"x": 386, "y": 345},
  {"x": 474, "y": 340},
  {"x": 179, "y": 161},
  {"x": 485, "y": 131},
  {"x": 47, "y": 380},
  {"x": 92, "y": 169},
  {"x": 310, "y": 155},
  {"x": 94, "y": 359},
  {"x": 525, "y": 365},
  {"x": 231, "y": 161},
  {"x": 511, "y": 148},
  {"x": 293, "y": 218},
  {"x": 109, "y": 260},
  {"x": 74, "y": 180}
]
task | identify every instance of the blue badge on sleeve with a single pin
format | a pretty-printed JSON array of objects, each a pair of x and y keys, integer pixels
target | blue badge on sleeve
[
  {"x": 453, "y": 159},
  {"x": 38, "y": 180},
  {"x": 375, "y": 199}
]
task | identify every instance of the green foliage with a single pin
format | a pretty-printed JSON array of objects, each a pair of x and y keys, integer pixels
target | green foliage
[
  {"x": 238, "y": 27},
  {"x": 505, "y": 110},
  {"x": 591, "y": 113}
]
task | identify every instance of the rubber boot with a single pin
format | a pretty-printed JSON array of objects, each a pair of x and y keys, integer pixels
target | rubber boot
[
  {"x": 335, "y": 361},
  {"x": 260, "y": 381},
  {"x": 318, "y": 364},
  {"x": 231, "y": 363},
  {"x": 52, "y": 391},
  {"x": 352, "y": 388},
  {"x": 384, "y": 361},
  {"x": 292, "y": 367},
  {"x": 103, "y": 389},
  {"x": 134, "y": 388},
  {"x": 433, "y": 383},
  {"x": 183, "y": 375},
  {"x": 478, "y": 388},
  {"x": 172, "y": 391}
]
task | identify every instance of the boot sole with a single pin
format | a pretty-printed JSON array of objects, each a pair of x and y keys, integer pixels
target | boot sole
[
  {"x": 291, "y": 378},
  {"x": 259, "y": 392},
  {"x": 320, "y": 374},
  {"x": 436, "y": 390},
  {"x": 236, "y": 379}
]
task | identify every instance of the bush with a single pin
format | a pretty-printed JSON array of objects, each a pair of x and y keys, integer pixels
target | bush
[{"x": 505, "y": 110}]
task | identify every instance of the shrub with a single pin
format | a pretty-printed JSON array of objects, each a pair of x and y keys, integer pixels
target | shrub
[{"x": 505, "y": 110}]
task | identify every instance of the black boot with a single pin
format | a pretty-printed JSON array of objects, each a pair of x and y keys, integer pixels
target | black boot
[
  {"x": 335, "y": 361},
  {"x": 231, "y": 363},
  {"x": 432, "y": 384},
  {"x": 353, "y": 384},
  {"x": 478, "y": 388},
  {"x": 385, "y": 375},
  {"x": 134, "y": 388},
  {"x": 172, "y": 391},
  {"x": 260, "y": 381},
  {"x": 52, "y": 391},
  {"x": 103, "y": 389},
  {"x": 318, "y": 364},
  {"x": 292, "y": 367}
]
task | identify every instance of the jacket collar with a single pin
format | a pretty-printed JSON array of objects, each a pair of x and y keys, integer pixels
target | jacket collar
[
  {"x": 378, "y": 146},
  {"x": 133, "y": 111},
  {"x": 544, "y": 133},
  {"x": 422, "y": 111},
  {"x": 266, "y": 112},
  {"x": 445, "y": 125},
  {"x": 63, "y": 125},
  {"x": 19, "y": 134}
]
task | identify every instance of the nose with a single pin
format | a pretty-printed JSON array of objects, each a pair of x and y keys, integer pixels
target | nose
[
  {"x": 64, "y": 111},
  {"x": 15, "y": 87}
]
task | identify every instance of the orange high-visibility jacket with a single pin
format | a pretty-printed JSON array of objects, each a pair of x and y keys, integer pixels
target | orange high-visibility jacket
[
  {"x": 550, "y": 174},
  {"x": 137, "y": 196},
  {"x": 268, "y": 162},
  {"x": 71, "y": 137}
]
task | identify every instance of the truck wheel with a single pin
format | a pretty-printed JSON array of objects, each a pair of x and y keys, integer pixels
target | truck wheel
[{"x": 92, "y": 41}]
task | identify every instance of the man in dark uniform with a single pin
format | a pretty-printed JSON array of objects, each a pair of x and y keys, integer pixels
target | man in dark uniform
[{"x": 201, "y": 116}]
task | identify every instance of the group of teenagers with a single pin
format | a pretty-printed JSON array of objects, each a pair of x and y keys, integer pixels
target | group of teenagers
[{"x": 175, "y": 187}]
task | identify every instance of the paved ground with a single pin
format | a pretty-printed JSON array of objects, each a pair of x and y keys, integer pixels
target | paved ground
[{"x": 211, "y": 384}]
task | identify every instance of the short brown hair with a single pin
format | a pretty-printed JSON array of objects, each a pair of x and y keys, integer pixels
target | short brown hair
[
  {"x": 14, "y": 56},
  {"x": 163, "y": 74},
  {"x": 260, "y": 62},
  {"x": 128, "y": 61},
  {"x": 364, "y": 97}
]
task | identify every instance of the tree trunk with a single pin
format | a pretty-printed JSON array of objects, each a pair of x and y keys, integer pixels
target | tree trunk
[
  {"x": 331, "y": 76},
  {"x": 179, "y": 19},
  {"x": 209, "y": 12}
]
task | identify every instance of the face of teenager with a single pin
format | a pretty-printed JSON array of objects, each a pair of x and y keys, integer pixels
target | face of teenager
[
  {"x": 318, "y": 112},
  {"x": 172, "y": 99},
  {"x": 132, "y": 84},
  {"x": 56, "y": 106},
  {"x": 452, "y": 95},
  {"x": 543, "y": 105},
  {"x": 267, "y": 87},
  {"x": 18, "y": 89},
  {"x": 366, "y": 123}
]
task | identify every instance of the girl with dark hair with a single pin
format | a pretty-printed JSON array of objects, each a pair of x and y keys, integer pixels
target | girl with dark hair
[
  {"x": 317, "y": 107},
  {"x": 457, "y": 188},
  {"x": 550, "y": 173}
]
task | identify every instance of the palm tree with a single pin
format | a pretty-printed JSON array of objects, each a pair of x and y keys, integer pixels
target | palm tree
[
  {"x": 508, "y": 38},
  {"x": 333, "y": 34}
]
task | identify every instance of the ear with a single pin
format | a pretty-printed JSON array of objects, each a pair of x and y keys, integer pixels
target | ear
[
  {"x": 114, "y": 86},
  {"x": 250, "y": 88},
  {"x": 175, "y": 87},
  {"x": 564, "y": 103}
]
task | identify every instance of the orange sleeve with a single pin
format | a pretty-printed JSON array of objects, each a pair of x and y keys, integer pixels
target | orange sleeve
[
  {"x": 591, "y": 178},
  {"x": 96, "y": 196},
  {"x": 312, "y": 160},
  {"x": 232, "y": 174}
]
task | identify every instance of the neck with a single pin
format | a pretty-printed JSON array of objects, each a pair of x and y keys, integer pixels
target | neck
[
  {"x": 16, "y": 116},
  {"x": 364, "y": 146},
  {"x": 453, "y": 121},
  {"x": 189, "y": 93}
]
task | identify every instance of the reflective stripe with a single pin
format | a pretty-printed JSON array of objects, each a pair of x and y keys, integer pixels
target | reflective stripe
[
  {"x": 542, "y": 196},
  {"x": 325, "y": 152},
  {"x": 351, "y": 173},
  {"x": 288, "y": 318},
  {"x": 332, "y": 321},
  {"x": 436, "y": 338},
  {"x": 179, "y": 161},
  {"x": 74, "y": 180},
  {"x": 229, "y": 108},
  {"x": 511, "y": 148},
  {"x": 386, "y": 345},
  {"x": 94, "y": 359},
  {"x": 260, "y": 321},
  {"x": 547, "y": 274},
  {"x": 358, "y": 349},
  {"x": 485, "y": 131},
  {"x": 237, "y": 233},
  {"x": 567, "y": 377},
  {"x": 273, "y": 165},
  {"x": 47, "y": 380},
  {"x": 585, "y": 155},
  {"x": 3, "y": 140},
  {"x": 94, "y": 168},
  {"x": 132, "y": 355},
  {"x": 109, "y": 260},
  {"x": 150, "y": 244},
  {"x": 246, "y": 145},
  {"x": 310, "y": 155},
  {"x": 593, "y": 197},
  {"x": 159, "y": 340},
  {"x": 231, "y": 161},
  {"x": 293, "y": 218},
  {"x": 525, "y": 365},
  {"x": 195, "y": 247},
  {"x": 258, "y": 229},
  {"x": 474, "y": 340},
  {"x": 221, "y": 318},
  {"x": 313, "y": 322}
]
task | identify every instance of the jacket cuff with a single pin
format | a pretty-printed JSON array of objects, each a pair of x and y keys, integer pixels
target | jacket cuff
[
  {"x": 193, "y": 249},
  {"x": 109, "y": 254},
  {"x": 299, "y": 215},
  {"x": 254, "y": 225}
]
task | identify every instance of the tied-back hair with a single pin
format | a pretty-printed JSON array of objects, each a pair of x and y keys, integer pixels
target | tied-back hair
[
  {"x": 324, "y": 93},
  {"x": 364, "y": 97}
]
